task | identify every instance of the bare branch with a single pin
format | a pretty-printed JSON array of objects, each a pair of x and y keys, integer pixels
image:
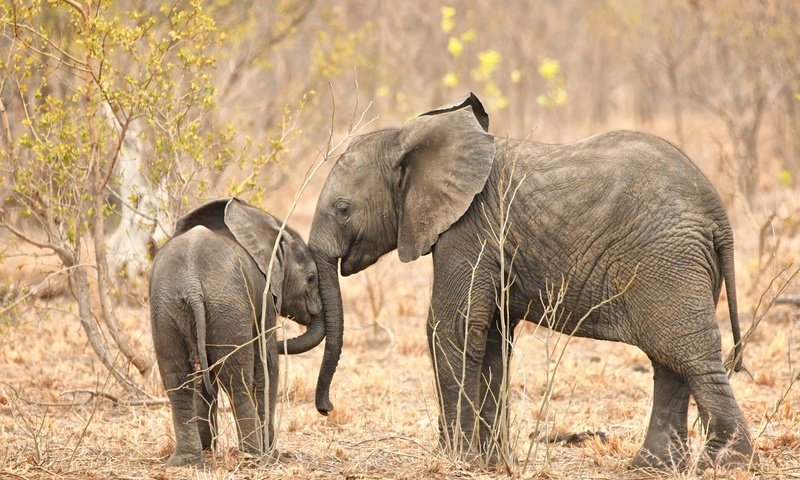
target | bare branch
[
  {"x": 6, "y": 127},
  {"x": 35, "y": 289},
  {"x": 125, "y": 203},
  {"x": 62, "y": 252},
  {"x": 788, "y": 300},
  {"x": 122, "y": 130},
  {"x": 74, "y": 63},
  {"x": 77, "y": 6},
  {"x": 116, "y": 400},
  {"x": 277, "y": 38}
]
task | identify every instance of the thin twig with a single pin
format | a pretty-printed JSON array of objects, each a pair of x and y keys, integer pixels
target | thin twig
[
  {"x": 77, "y": 6},
  {"x": 60, "y": 250},
  {"x": 759, "y": 315},
  {"x": 118, "y": 401}
]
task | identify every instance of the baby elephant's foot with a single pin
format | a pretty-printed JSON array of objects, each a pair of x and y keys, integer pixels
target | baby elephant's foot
[
  {"x": 183, "y": 459},
  {"x": 273, "y": 456}
]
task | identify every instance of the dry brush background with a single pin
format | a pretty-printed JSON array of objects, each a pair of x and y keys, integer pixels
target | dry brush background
[{"x": 262, "y": 87}]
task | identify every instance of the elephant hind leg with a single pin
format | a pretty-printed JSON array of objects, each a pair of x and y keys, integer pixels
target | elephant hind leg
[
  {"x": 205, "y": 407},
  {"x": 176, "y": 373},
  {"x": 665, "y": 443},
  {"x": 728, "y": 440},
  {"x": 690, "y": 347}
]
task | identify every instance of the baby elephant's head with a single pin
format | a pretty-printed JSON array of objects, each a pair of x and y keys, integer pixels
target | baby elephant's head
[{"x": 301, "y": 301}]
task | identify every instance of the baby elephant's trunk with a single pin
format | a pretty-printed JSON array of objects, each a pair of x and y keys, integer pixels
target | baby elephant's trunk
[{"x": 312, "y": 337}]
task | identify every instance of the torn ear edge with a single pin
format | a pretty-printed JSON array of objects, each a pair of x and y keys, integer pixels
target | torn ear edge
[{"x": 470, "y": 100}]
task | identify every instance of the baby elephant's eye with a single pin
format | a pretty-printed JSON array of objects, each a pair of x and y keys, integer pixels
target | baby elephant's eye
[{"x": 311, "y": 278}]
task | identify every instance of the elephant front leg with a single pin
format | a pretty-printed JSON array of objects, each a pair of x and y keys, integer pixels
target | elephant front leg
[
  {"x": 272, "y": 370},
  {"x": 494, "y": 424},
  {"x": 457, "y": 343},
  {"x": 266, "y": 411},
  {"x": 665, "y": 444}
]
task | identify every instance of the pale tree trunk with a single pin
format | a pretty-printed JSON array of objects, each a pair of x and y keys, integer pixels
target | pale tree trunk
[
  {"x": 121, "y": 338},
  {"x": 129, "y": 244},
  {"x": 99, "y": 180}
]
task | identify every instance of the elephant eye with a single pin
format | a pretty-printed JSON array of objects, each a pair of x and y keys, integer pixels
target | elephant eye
[
  {"x": 342, "y": 208},
  {"x": 311, "y": 278}
]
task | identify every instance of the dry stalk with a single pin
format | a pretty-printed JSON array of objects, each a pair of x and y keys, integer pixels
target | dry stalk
[
  {"x": 32, "y": 427},
  {"x": 551, "y": 377},
  {"x": 760, "y": 313},
  {"x": 88, "y": 422},
  {"x": 331, "y": 148}
]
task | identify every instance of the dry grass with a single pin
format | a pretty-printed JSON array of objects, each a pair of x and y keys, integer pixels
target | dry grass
[{"x": 384, "y": 422}]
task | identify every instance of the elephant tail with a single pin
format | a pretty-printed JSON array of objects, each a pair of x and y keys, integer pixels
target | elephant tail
[
  {"x": 725, "y": 251},
  {"x": 195, "y": 301}
]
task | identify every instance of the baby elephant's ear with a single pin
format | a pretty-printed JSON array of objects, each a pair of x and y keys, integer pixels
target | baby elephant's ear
[
  {"x": 256, "y": 231},
  {"x": 210, "y": 215}
]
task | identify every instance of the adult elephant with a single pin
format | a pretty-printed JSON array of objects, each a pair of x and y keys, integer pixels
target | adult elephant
[
  {"x": 617, "y": 213},
  {"x": 206, "y": 290}
]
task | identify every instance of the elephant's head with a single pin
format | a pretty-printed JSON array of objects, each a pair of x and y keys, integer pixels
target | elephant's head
[
  {"x": 293, "y": 281},
  {"x": 301, "y": 298},
  {"x": 396, "y": 188}
]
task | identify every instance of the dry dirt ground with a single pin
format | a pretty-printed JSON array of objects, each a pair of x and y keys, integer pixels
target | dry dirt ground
[{"x": 383, "y": 425}]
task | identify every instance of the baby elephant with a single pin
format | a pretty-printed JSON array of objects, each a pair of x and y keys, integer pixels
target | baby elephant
[{"x": 206, "y": 290}]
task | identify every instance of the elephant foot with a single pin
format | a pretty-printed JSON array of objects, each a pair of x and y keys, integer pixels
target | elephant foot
[
  {"x": 736, "y": 455},
  {"x": 666, "y": 459},
  {"x": 272, "y": 456},
  {"x": 182, "y": 459}
]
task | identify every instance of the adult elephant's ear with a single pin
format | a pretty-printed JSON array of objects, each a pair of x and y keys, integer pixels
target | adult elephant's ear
[
  {"x": 443, "y": 160},
  {"x": 256, "y": 231},
  {"x": 210, "y": 215}
]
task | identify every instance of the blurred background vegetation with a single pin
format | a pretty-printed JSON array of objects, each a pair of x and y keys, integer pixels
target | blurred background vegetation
[{"x": 118, "y": 116}]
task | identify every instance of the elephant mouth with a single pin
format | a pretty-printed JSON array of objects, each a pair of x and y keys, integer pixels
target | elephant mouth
[
  {"x": 347, "y": 265},
  {"x": 354, "y": 262}
]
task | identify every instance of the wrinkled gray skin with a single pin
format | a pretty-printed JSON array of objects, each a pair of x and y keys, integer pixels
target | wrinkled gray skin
[
  {"x": 595, "y": 213},
  {"x": 206, "y": 290}
]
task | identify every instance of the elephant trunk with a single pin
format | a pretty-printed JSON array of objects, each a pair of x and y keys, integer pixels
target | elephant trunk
[
  {"x": 334, "y": 328},
  {"x": 302, "y": 343}
]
